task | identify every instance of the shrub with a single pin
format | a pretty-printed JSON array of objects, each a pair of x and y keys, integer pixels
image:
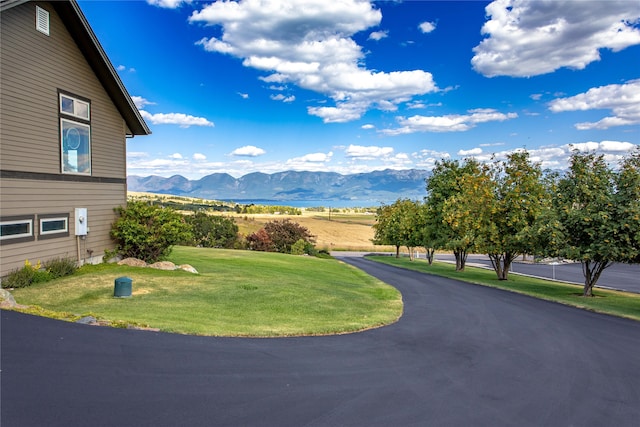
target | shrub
[
  {"x": 19, "y": 278},
  {"x": 260, "y": 241},
  {"x": 148, "y": 232},
  {"x": 298, "y": 248},
  {"x": 285, "y": 233},
  {"x": 60, "y": 267},
  {"x": 212, "y": 231},
  {"x": 28, "y": 274}
]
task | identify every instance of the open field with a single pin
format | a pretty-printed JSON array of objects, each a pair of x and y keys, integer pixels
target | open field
[
  {"x": 236, "y": 293},
  {"x": 341, "y": 231}
]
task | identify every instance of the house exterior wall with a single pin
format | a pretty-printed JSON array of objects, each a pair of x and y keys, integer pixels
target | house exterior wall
[{"x": 34, "y": 67}]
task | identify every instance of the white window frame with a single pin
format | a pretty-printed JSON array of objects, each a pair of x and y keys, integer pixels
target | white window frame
[
  {"x": 77, "y": 107},
  {"x": 27, "y": 235},
  {"x": 75, "y": 113},
  {"x": 43, "y": 220}
]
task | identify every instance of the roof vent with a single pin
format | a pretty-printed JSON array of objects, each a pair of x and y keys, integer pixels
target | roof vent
[{"x": 42, "y": 20}]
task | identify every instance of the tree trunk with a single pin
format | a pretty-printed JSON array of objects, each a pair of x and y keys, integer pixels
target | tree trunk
[
  {"x": 410, "y": 249},
  {"x": 429, "y": 254},
  {"x": 397, "y": 251},
  {"x": 592, "y": 274},
  {"x": 502, "y": 264},
  {"x": 461, "y": 259}
]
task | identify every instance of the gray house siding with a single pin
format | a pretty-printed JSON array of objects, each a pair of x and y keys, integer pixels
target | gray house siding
[{"x": 34, "y": 68}]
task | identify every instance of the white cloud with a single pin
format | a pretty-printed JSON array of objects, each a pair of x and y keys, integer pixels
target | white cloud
[
  {"x": 168, "y": 4},
  {"x": 532, "y": 37},
  {"x": 368, "y": 126},
  {"x": 308, "y": 43},
  {"x": 281, "y": 97},
  {"x": 623, "y": 100},
  {"x": 603, "y": 146},
  {"x": 426, "y": 159},
  {"x": 472, "y": 152},
  {"x": 342, "y": 114},
  {"x": 183, "y": 120},
  {"x": 557, "y": 157},
  {"x": 243, "y": 95},
  {"x": 378, "y": 35},
  {"x": 368, "y": 152},
  {"x": 448, "y": 123},
  {"x": 121, "y": 68},
  {"x": 199, "y": 157},
  {"x": 176, "y": 156},
  {"x": 427, "y": 27},
  {"x": 310, "y": 162},
  {"x": 248, "y": 151},
  {"x": 141, "y": 102}
]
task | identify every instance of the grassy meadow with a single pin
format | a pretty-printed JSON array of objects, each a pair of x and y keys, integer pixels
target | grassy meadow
[{"x": 236, "y": 293}]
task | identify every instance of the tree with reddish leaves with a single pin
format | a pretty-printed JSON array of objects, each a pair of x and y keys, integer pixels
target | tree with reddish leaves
[
  {"x": 285, "y": 233},
  {"x": 260, "y": 241}
]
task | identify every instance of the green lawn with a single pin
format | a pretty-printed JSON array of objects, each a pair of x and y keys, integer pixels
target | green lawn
[
  {"x": 236, "y": 293},
  {"x": 623, "y": 304}
]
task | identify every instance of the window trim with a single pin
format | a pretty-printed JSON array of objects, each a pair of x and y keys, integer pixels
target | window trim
[
  {"x": 17, "y": 238},
  {"x": 78, "y": 120},
  {"x": 54, "y": 233},
  {"x": 74, "y": 98}
]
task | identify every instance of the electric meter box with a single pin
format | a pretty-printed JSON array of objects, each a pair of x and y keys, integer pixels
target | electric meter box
[{"x": 81, "y": 221}]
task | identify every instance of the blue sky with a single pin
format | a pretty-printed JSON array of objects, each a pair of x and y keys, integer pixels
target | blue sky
[{"x": 351, "y": 86}]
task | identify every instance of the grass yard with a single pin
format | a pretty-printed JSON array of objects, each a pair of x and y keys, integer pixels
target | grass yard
[
  {"x": 623, "y": 304},
  {"x": 236, "y": 293}
]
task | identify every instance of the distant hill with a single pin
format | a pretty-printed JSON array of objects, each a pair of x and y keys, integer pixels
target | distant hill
[{"x": 379, "y": 186}]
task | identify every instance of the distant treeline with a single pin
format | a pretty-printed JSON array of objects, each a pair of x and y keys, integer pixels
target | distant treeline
[{"x": 198, "y": 205}]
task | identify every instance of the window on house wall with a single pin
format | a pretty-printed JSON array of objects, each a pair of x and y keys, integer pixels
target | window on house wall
[
  {"x": 16, "y": 229},
  {"x": 75, "y": 134},
  {"x": 53, "y": 226}
]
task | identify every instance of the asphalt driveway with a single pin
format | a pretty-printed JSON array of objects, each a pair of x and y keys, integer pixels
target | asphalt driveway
[{"x": 460, "y": 355}]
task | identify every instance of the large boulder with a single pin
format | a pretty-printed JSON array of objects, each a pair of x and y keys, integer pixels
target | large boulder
[
  {"x": 133, "y": 262},
  {"x": 6, "y": 299},
  {"x": 163, "y": 265}
]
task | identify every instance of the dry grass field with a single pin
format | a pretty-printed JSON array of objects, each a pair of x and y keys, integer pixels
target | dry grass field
[{"x": 341, "y": 231}]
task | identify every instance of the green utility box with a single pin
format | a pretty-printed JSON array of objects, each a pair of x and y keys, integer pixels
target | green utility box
[{"x": 122, "y": 287}]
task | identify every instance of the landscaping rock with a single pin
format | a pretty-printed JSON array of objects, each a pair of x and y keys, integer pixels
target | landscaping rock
[
  {"x": 6, "y": 299},
  {"x": 87, "y": 320},
  {"x": 163, "y": 265},
  {"x": 187, "y": 267},
  {"x": 133, "y": 262}
]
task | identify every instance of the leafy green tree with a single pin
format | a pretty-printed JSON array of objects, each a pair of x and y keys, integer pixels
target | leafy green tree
[
  {"x": 387, "y": 228},
  {"x": 422, "y": 235},
  {"x": 598, "y": 211},
  {"x": 285, "y": 233},
  {"x": 445, "y": 182},
  {"x": 409, "y": 218},
  {"x": 468, "y": 212},
  {"x": 213, "y": 231},
  {"x": 148, "y": 232},
  {"x": 497, "y": 209}
]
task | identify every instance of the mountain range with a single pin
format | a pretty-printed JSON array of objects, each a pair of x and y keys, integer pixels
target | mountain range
[{"x": 379, "y": 186}]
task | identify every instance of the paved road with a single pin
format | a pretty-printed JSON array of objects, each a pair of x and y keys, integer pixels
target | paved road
[
  {"x": 460, "y": 355},
  {"x": 624, "y": 277}
]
